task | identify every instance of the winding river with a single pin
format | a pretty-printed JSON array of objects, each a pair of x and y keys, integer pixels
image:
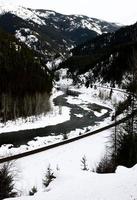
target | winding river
[{"x": 89, "y": 119}]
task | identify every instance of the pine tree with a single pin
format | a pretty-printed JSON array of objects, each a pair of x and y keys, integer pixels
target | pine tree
[
  {"x": 49, "y": 176},
  {"x": 84, "y": 163},
  {"x": 6, "y": 182}
]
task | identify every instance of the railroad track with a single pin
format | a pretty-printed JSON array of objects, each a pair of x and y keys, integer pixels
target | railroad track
[{"x": 28, "y": 153}]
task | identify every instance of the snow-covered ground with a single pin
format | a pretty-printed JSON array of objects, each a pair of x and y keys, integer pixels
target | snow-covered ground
[
  {"x": 71, "y": 181},
  {"x": 99, "y": 94},
  {"x": 67, "y": 158}
]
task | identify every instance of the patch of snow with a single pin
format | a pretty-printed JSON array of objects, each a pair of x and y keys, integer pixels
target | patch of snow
[
  {"x": 32, "y": 38},
  {"x": 77, "y": 101},
  {"x": 99, "y": 114},
  {"x": 91, "y": 26},
  {"x": 55, "y": 63},
  {"x": 49, "y": 65},
  {"x": 79, "y": 115},
  {"x": 45, "y": 14},
  {"x": 19, "y": 36},
  {"x": 28, "y": 39}
]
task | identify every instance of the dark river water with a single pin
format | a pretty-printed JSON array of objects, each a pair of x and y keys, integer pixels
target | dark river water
[{"x": 89, "y": 119}]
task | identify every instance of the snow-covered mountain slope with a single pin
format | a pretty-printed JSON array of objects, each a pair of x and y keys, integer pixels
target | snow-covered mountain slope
[
  {"x": 49, "y": 32},
  {"x": 21, "y": 12},
  {"x": 108, "y": 58}
]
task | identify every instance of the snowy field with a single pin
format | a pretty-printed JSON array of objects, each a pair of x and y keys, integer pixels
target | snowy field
[{"x": 71, "y": 181}]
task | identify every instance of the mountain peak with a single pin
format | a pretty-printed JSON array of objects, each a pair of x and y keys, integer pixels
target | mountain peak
[
  {"x": 49, "y": 32},
  {"x": 20, "y": 11}
]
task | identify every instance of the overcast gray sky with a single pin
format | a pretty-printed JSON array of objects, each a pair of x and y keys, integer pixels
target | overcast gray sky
[{"x": 122, "y": 11}]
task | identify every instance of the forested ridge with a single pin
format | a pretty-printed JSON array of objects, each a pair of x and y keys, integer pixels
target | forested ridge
[
  {"x": 109, "y": 56},
  {"x": 25, "y": 81}
]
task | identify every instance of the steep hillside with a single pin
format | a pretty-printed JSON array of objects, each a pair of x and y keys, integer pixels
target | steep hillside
[
  {"x": 48, "y": 32},
  {"x": 25, "y": 82},
  {"x": 110, "y": 57}
]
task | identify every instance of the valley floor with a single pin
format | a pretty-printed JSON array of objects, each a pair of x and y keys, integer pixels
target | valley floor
[
  {"x": 71, "y": 181},
  {"x": 76, "y": 115}
]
